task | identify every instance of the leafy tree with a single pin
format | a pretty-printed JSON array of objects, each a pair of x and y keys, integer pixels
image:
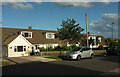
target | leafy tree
[
  {"x": 114, "y": 43},
  {"x": 69, "y": 30},
  {"x": 108, "y": 41},
  {"x": 101, "y": 47}
]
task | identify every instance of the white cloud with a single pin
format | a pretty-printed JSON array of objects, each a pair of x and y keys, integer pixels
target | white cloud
[
  {"x": 18, "y": 5},
  {"x": 104, "y": 25},
  {"x": 75, "y": 4},
  {"x": 62, "y": 3}
]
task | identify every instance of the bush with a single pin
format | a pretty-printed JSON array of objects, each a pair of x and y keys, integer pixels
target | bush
[
  {"x": 101, "y": 47},
  {"x": 72, "y": 47},
  {"x": 42, "y": 49},
  {"x": 65, "y": 48},
  {"x": 49, "y": 49},
  {"x": 114, "y": 43},
  {"x": 57, "y": 48}
]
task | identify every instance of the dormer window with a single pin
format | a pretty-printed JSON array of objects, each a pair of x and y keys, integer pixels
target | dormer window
[
  {"x": 27, "y": 34},
  {"x": 99, "y": 38},
  {"x": 50, "y": 35}
]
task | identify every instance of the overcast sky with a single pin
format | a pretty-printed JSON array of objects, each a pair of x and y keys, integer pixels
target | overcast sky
[{"x": 49, "y": 15}]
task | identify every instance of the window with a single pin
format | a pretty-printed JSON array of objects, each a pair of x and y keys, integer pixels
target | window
[
  {"x": 99, "y": 39},
  {"x": 27, "y": 34},
  {"x": 86, "y": 49},
  {"x": 19, "y": 48},
  {"x": 24, "y": 48},
  {"x": 15, "y": 49},
  {"x": 37, "y": 47},
  {"x": 49, "y": 45},
  {"x": 50, "y": 35}
]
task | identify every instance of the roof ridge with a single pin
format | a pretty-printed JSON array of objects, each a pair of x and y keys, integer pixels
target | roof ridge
[{"x": 27, "y": 29}]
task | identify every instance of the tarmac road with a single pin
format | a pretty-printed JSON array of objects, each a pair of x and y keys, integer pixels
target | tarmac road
[{"x": 108, "y": 65}]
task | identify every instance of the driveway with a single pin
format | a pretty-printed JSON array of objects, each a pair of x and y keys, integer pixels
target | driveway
[
  {"x": 98, "y": 66},
  {"x": 26, "y": 59}
]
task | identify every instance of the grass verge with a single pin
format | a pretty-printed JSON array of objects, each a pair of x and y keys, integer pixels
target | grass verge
[
  {"x": 99, "y": 54},
  {"x": 54, "y": 57},
  {"x": 4, "y": 63}
]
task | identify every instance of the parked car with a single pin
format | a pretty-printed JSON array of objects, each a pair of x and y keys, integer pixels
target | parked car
[
  {"x": 113, "y": 50},
  {"x": 79, "y": 52}
]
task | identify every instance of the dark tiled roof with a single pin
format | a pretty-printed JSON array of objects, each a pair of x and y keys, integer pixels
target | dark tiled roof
[{"x": 38, "y": 37}]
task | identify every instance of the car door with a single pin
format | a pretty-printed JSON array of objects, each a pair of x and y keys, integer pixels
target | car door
[{"x": 85, "y": 52}]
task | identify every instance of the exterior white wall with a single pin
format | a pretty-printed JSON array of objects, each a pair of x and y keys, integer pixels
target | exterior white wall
[
  {"x": 72, "y": 44},
  {"x": 19, "y": 41},
  {"x": 44, "y": 45}
]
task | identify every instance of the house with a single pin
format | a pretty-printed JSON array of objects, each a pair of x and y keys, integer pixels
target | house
[{"x": 21, "y": 42}]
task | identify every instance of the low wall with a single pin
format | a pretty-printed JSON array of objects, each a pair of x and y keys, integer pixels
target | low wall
[
  {"x": 99, "y": 51},
  {"x": 62, "y": 53},
  {"x": 53, "y": 53}
]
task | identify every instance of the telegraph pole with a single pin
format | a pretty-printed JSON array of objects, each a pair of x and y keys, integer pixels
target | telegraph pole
[
  {"x": 112, "y": 30},
  {"x": 86, "y": 29}
]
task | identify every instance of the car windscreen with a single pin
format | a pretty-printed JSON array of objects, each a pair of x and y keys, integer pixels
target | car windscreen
[
  {"x": 76, "y": 49},
  {"x": 86, "y": 49}
]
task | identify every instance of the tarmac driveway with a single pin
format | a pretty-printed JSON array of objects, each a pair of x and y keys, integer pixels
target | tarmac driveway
[{"x": 98, "y": 66}]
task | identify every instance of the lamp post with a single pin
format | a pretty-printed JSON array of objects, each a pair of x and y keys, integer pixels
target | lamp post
[{"x": 86, "y": 29}]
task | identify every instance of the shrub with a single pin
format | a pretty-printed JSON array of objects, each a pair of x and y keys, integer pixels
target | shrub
[
  {"x": 65, "y": 48},
  {"x": 72, "y": 47},
  {"x": 114, "y": 43},
  {"x": 101, "y": 47},
  {"x": 42, "y": 49},
  {"x": 57, "y": 48},
  {"x": 49, "y": 49}
]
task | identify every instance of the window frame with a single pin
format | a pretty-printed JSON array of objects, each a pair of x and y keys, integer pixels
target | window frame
[
  {"x": 52, "y": 35},
  {"x": 49, "y": 45},
  {"x": 37, "y": 46},
  {"x": 16, "y": 48},
  {"x": 29, "y": 34}
]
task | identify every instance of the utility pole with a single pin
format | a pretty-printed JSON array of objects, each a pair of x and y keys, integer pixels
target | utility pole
[
  {"x": 86, "y": 29},
  {"x": 112, "y": 30}
]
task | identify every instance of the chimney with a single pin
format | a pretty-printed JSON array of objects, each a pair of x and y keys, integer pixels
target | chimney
[
  {"x": 30, "y": 27},
  {"x": 88, "y": 33}
]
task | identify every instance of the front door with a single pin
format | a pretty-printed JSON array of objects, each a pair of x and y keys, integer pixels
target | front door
[{"x": 33, "y": 49}]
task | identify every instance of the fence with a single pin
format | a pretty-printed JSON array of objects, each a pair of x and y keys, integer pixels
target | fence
[{"x": 62, "y": 53}]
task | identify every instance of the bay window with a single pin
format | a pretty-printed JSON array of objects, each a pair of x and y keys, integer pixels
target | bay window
[{"x": 19, "y": 48}]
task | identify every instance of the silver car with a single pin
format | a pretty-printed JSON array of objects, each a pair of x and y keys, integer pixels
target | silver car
[{"x": 79, "y": 52}]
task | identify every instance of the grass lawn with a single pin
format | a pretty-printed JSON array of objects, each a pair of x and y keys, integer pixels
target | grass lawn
[
  {"x": 4, "y": 63},
  {"x": 53, "y": 57},
  {"x": 99, "y": 54}
]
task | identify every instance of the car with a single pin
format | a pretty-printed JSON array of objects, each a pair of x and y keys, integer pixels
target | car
[
  {"x": 113, "y": 50},
  {"x": 79, "y": 52}
]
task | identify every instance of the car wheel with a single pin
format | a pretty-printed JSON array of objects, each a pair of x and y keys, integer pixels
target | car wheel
[
  {"x": 78, "y": 58},
  {"x": 92, "y": 56}
]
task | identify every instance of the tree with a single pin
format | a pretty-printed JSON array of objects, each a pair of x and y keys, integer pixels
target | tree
[
  {"x": 69, "y": 30},
  {"x": 108, "y": 41}
]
